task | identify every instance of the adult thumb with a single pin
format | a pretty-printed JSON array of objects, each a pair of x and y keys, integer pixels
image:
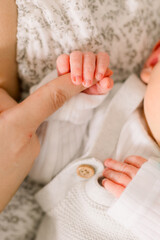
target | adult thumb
[{"x": 46, "y": 100}]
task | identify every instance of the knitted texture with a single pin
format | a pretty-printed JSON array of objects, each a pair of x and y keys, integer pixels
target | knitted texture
[
  {"x": 78, "y": 212},
  {"x": 77, "y": 217}
]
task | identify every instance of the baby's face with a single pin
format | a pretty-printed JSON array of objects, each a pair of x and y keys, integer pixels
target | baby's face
[
  {"x": 151, "y": 62},
  {"x": 151, "y": 75}
]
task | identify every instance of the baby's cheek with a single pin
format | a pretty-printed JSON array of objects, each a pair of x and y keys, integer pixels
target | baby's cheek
[{"x": 152, "y": 103}]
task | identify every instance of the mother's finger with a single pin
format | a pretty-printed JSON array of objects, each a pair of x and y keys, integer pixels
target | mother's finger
[
  {"x": 46, "y": 100},
  {"x": 6, "y": 101}
]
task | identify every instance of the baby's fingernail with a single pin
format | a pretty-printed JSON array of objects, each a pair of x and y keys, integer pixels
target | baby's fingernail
[
  {"x": 73, "y": 79},
  {"x": 78, "y": 79},
  {"x": 99, "y": 76},
  {"x": 87, "y": 83}
]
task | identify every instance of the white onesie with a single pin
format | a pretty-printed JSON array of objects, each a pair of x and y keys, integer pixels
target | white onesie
[{"x": 79, "y": 208}]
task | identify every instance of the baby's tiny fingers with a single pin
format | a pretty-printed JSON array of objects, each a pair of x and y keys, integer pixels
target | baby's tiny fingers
[
  {"x": 117, "y": 177},
  {"x": 135, "y": 161},
  {"x": 112, "y": 187},
  {"x": 102, "y": 65},
  {"x": 63, "y": 65},
  {"x": 128, "y": 169},
  {"x": 88, "y": 68},
  {"x": 102, "y": 87},
  {"x": 76, "y": 62}
]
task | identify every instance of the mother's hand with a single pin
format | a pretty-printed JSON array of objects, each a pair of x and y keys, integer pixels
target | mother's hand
[{"x": 19, "y": 145}]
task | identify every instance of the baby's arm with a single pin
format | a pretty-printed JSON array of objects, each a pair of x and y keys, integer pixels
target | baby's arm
[{"x": 8, "y": 65}]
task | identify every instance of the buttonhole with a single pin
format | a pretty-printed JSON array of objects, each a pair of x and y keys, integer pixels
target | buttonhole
[{"x": 100, "y": 179}]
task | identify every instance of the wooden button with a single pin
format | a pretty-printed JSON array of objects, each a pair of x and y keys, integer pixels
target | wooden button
[{"x": 85, "y": 171}]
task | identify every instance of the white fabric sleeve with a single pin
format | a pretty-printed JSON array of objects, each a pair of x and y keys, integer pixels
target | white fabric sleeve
[
  {"x": 62, "y": 134},
  {"x": 138, "y": 208}
]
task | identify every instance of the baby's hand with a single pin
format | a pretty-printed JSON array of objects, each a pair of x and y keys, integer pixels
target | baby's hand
[
  {"x": 84, "y": 68},
  {"x": 119, "y": 174}
]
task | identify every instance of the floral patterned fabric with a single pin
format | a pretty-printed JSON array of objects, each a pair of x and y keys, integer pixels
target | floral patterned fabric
[
  {"x": 126, "y": 29},
  {"x": 21, "y": 218}
]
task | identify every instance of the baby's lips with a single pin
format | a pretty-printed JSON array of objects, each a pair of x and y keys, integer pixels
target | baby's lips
[{"x": 109, "y": 72}]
